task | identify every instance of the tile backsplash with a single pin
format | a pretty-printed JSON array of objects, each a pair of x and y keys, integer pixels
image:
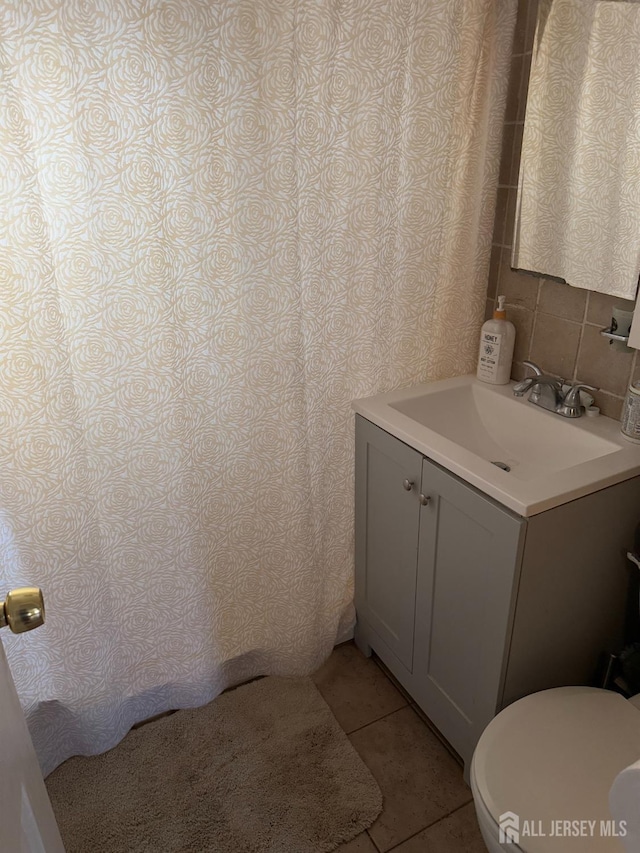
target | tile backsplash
[{"x": 557, "y": 326}]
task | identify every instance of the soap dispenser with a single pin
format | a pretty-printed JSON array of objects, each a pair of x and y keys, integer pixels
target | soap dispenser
[{"x": 496, "y": 347}]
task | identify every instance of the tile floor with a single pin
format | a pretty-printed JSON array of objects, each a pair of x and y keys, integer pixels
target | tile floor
[{"x": 428, "y": 808}]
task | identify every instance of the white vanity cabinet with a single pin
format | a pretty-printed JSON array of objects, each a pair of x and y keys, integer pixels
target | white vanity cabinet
[{"x": 472, "y": 606}]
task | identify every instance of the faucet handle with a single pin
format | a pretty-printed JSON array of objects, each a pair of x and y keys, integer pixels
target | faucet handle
[
  {"x": 571, "y": 406},
  {"x": 573, "y": 394},
  {"x": 521, "y": 388}
]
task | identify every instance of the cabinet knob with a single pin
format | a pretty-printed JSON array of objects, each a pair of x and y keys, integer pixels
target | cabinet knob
[
  {"x": 425, "y": 499},
  {"x": 407, "y": 484}
]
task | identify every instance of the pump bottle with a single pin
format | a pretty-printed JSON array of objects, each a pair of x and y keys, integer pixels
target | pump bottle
[{"x": 496, "y": 347}]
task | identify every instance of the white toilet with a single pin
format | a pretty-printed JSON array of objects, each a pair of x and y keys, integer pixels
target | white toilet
[{"x": 552, "y": 758}]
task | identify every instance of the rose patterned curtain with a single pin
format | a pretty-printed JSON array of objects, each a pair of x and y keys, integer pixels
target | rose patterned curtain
[{"x": 220, "y": 222}]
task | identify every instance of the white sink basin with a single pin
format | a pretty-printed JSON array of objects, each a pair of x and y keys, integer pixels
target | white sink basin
[
  {"x": 496, "y": 428},
  {"x": 466, "y": 425}
]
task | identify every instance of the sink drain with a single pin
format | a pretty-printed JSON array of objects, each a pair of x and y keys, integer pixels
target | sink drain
[{"x": 502, "y": 465}]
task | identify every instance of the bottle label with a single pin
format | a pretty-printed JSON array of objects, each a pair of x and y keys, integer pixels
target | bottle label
[
  {"x": 631, "y": 416},
  {"x": 490, "y": 344}
]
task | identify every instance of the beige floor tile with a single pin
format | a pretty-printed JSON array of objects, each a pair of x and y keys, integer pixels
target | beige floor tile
[
  {"x": 458, "y": 833},
  {"x": 361, "y": 844},
  {"x": 355, "y": 689},
  {"x": 420, "y": 781}
]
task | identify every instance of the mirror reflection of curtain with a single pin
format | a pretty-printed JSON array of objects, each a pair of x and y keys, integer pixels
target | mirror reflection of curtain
[
  {"x": 220, "y": 222},
  {"x": 578, "y": 214}
]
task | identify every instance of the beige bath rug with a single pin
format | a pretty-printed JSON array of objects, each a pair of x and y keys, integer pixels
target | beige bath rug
[{"x": 265, "y": 767}]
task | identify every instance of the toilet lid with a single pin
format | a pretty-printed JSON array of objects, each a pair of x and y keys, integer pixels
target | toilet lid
[{"x": 553, "y": 756}]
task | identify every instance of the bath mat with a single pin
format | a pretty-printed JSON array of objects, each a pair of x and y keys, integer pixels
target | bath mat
[{"x": 264, "y": 768}]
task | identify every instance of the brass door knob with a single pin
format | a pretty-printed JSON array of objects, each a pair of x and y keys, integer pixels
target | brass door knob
[{"x": 22, "y": 609}]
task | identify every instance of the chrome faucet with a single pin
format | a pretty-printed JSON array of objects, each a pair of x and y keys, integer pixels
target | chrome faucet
[{"x": 547, "y": 392}]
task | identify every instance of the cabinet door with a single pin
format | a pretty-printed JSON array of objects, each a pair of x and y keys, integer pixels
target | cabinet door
[
  {"x": 469, "y": 557},
  {"x": 387, "y": 519}
]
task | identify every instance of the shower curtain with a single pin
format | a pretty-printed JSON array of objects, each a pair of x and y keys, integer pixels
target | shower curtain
[{"x": 220, "y": 222}]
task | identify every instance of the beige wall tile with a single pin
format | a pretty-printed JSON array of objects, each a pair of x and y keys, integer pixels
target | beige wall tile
[
  {"x": 494, "y": 271},
  {"x": 515, "y": 157},
  {"x": 519, "y": 371},
  {"x": 489, "y": 309},
  {"x": 522, "y": 319},
  {"x": 609, "y": 405},
  {"x": 561, "y": 300},
  {"x": 601, "y": 365},
  {"x": 635, "y": 377},
  {"x": 501, "y": 212},
  {"x": 554, "y": 346},
  {"x": 524, "y": 87},
  {"x": 520, "y": 32},
  {"x": 513, "y": 93},
  {"x": 520, "y": 289},
  {"x": 601, "y": 305},
  {"x": 510, "y": 216},
  {"x": 506, "y": 157},
  {"x": 531, "y": 23}
]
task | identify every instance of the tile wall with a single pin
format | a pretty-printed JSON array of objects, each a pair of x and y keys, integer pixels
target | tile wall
[{"x": 557, "y": 326}]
